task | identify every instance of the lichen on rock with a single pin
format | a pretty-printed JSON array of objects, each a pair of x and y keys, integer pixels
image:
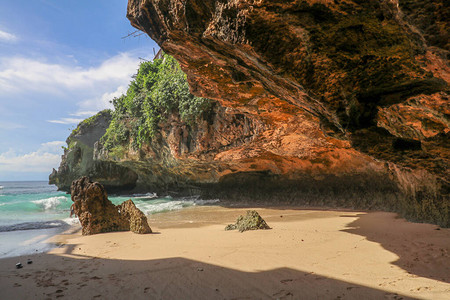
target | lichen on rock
[{"x": 251, "y": 221}]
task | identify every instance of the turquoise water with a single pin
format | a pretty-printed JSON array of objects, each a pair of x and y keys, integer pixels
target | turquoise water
[
  {"x": 33, "y": 211},
  {"x": 38, "y": 205}
]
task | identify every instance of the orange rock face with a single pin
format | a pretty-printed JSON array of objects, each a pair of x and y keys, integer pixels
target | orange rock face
[{"x": 344, "y": 101}]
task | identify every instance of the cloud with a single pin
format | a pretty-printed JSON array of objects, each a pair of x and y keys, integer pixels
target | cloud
[
  {"x": 47, "y": 157},
  {"x": 7, "y": 37},
  {"x": 10, "y": 125},
  {"x": 24, "y": 75},
  {"x": 66, "y": 121},
  {"x": 84, "y": 113},
  {"x": 103, "y": 102},
  {"x": 52, "y": 147}
]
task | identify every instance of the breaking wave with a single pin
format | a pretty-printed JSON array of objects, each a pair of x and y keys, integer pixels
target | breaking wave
[
  {"x": 49, "y": 203},
  {"x": 149, "y": 208}
]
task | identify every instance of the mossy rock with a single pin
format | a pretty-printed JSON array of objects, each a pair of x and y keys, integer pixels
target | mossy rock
[{"x": 251, "y": 221}]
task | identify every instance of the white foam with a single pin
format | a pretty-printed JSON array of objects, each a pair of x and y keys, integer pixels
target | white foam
[
  {"x": 49, "y": 203},
  {"x": 144, "y": 196},
  {"x": 205, "y": 202},
  {"x": 71, "y": 221},
  {"x": 1, "y": 187},
  {"x": 151, "y": 208}
]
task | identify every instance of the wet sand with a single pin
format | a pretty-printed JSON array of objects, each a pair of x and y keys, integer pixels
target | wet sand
[{"x": 308, "y": 254}]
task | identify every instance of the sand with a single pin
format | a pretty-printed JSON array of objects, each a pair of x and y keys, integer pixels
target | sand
[{"x": 308, "y": 254}]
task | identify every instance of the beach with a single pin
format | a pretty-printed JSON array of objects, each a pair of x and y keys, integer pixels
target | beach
[{"x": 308, "y": 254}]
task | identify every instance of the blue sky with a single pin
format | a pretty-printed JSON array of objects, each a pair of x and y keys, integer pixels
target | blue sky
[{"x": 61, "y": 61}]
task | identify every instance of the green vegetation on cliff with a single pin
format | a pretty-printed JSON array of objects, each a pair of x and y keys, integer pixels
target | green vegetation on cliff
[{"x": 159, "y": 89}]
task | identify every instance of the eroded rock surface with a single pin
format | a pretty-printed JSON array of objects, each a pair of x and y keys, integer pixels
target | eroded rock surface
[
  {"x": 349, "y": 99},
  {"x": 97, "y": 214},
  {"x": 137, "y": 219}
]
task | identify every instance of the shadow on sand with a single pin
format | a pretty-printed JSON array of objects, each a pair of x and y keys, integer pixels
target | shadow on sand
[
  {"x": 415, "y": 244},
  {"x": 84, "y": 277}
]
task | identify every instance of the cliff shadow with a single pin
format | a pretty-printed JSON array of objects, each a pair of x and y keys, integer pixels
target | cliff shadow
[
  {"x": 85, "y": 277},
  {"x": 423, "y": 249}
]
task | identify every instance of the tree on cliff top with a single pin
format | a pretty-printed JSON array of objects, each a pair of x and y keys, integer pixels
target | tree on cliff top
[{"x": 158, "y": 89}]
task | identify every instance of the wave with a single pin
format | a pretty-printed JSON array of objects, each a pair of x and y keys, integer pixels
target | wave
[
  {"x": 33, "y": 225},
  {"x": 49, "y": 203},
  {"x": 144, "y": 196},
  {"x": 1, "y": 187},
  {"x": 152, "y": 208}
]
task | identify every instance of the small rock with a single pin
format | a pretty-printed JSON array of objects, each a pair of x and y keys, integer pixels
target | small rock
[
  {"x": 29, "y": 261},
  {"x": 200, "y": 269},
  {"x": 19, "y": 266},
  {"x": 251, "y": 221}
]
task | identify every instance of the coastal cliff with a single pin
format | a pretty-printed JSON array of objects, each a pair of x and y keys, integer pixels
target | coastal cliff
[
  {"x": 335, "y": 103},
  {"x": 78, "y": 159}
]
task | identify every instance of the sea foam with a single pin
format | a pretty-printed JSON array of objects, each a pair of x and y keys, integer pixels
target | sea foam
[
  {"x": 152, "y": 208},
  {"x": 49, "y": 203}
]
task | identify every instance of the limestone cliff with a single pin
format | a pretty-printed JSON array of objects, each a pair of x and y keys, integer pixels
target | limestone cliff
[
  {"x": 78, "y": 159},
  {"x": 338, "y": 103},
  {"x": 350, "y": 98}
]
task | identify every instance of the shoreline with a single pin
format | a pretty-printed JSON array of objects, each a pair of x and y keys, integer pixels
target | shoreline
[{"x": 308, "y": 253}]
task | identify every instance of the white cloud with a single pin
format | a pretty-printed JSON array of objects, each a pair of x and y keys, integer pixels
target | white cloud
[
  {"x": 52, "y": 147},
  {"x": 103, "y": 102},
  {"x": 10, "y": 125},
  {"x": 24, "y": 75},
  {"x": 7, "y": 37},
  {"x": 84, "y": 113},
  {"x": 48, "y": 156},
  {"x": 66, "y": 121}
]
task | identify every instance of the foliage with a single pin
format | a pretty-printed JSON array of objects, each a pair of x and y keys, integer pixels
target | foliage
[{"x": 159, "y": 89}]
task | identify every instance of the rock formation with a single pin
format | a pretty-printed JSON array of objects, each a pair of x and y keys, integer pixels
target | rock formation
[
  {"x": 348, "y": 100},
  {"x": 97, "y": 214},
  {"x": 251, "y": 221},
  {"x": 78, "y": 159},
  {"x": 137, "y": 219}
]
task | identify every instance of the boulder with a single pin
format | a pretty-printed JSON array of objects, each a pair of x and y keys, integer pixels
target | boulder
[
  {"x": 251, "y": 221},
  {"x": 137, "y": 219},
  {"x": 97, "y": 214}
]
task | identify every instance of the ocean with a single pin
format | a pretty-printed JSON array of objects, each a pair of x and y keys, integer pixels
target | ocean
[{"x": 33, "y": 211}]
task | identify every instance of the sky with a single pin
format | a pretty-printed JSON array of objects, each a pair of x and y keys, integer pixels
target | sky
[{"x": 61, "y": 61}]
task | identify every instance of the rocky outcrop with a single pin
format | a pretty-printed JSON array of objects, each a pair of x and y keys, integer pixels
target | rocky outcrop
[
  {"x": 346, "y": 100},
  {"x": 137, "y": 219},
  {"x": 78, "y": 159},
  {"x": 97, "y": 214},
  {"x": 251, "y": 221}
]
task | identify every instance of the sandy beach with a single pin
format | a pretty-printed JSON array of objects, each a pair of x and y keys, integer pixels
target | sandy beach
[{"x": 308, "y": 254}]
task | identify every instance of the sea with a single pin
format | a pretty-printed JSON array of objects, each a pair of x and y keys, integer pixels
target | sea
[{"x": 33, "y": 211}]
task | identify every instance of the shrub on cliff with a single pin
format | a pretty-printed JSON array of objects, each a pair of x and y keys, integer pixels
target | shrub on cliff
[{"x": 158, "y": 89}]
